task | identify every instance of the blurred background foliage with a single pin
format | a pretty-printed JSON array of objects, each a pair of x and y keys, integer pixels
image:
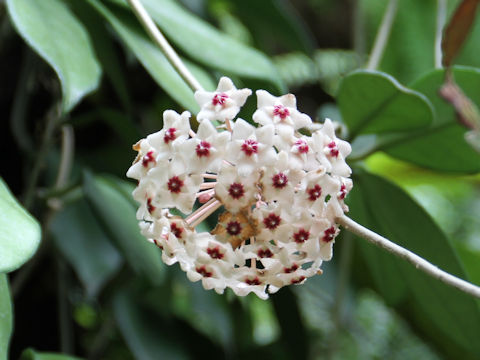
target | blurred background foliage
[{"x": 96, "y": 289}]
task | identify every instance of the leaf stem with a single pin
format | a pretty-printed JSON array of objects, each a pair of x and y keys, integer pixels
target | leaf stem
[
  {"x": 409, "y": 256},
  {"x": 441, "y": 19},
  {"x": 382, "y": 35},
  {"x": 162, "y": 42}
]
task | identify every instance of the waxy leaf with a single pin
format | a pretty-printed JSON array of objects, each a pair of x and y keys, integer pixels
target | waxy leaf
[
  {"x": 117, "y": 215},
  {"x": 150, "y": 56},
  {"x": 372, "y": 102},
  {"x": 206, "y": 44},
  {"x": 5, "y": 317},
  {"x": 143, "y": 331},
  {"x": 442, "y": 145},
  {"x": 450, "y": 318},
  {"x": 53, "y": 31},
  {"x": 20, "y": 235},
  {"x": 85, "y": 245}
]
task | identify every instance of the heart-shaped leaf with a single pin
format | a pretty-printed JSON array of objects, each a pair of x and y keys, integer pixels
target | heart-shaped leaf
[
  {"x": 449, "y": 318},
  {"x": 372, "y": 102},
  {"x": 20, "y": 235},
  {"x": 53, "y": 31},
  {"x": 5, "y": 316}
]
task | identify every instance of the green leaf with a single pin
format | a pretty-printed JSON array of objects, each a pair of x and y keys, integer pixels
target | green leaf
[
  {"x": 117, "y": 215},
  {"x": 31, "y": 354},
  {"x": 409, "y": 51},
  {"x": 20, "y": 235},
  {"x": 149, "y": 55},
  {"x": 51, "y": 29},
  {"x": 84, "y": 243},
  {"x": 207, "y": 45},
  {"x": 144, "y": 331},
  {"x": 449, "y": 318},
  {"x": 5, "y": 317},
  {"x": 275, "y": 23},
  {"x": 374, "y": 103},
  {"x": 442, "y": 146}
]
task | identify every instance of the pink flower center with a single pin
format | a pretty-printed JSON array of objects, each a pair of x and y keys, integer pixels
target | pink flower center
[
  {"x": 234, "y": 228},
  {"x": 175, "y": 184},
  {"x": 219, "y": 99},
  {"x": 272, "y": 221},
  {"x": 148, "y": 159},
  {"x": 302, "y": 146},
  {"x": 202, "y": 270},
  {"x": 254, "y": 281},
  {"x": 215, "y": 253},
  {"x": 329, "y": 234},
  {"x": 333, "y": 149},
  {"x": 301, "y": 236},
  {"x": 290, "y": 269},
  {"x": 250, "y": 147},
  {"x": 279, "y": 180},
  {"x": 169, "y": 135},
  {"x": 177, "y": 231},
  {"x": 281, "y": 111},
  {"x": 264, "y": 253},
  {"x": 236, "y": 190},
  {"x": 203, "y": 149},
  {"x": 314, "y": 193}
]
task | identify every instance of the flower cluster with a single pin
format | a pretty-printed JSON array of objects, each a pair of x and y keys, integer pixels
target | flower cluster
[{"x": 273, "y": 192}]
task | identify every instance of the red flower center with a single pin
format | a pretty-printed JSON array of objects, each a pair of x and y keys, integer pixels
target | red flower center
[
  {"x": 281, "y": 111},
  {"x": 333, "y": 149},
  {"x": 177, "y": 231},
  {"x": 169, "y": 135},
  {"x": 148, "y": 159},
  {"x": 301, "y": 236},
  {"x": 234, "y": 228},
  {"x": 302, "y": 146},
  {"x": 343, "y": 192},
  {"x": 150, "y": 207},
  {"x": 255, "y": 281},
  {"x": 272, "y": 221},
  {"x": 203, "y": 149},
  {"x": 279, "y": 180},
  {"x": 290, "y": 269},
  {"x": 297, "y": 280},
  {"x": 250, "y": 147},
  {"x": 219, "y": 99},
  {"x": 202, "y": 270},
  {"x": 329, "y": 234},
  {"x": 175, "y": 184},
  {"x": 314, "y": 193},
  {"x": 215, "y": 253},
  {"x": 236, "y": 190},
  {"x": 264, "y": 253}
]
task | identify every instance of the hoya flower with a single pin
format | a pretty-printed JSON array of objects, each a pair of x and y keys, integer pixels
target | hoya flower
[
  {"x": 223, "y": 104},
  {"x": 274, "y": 194},
  {"x": 279, "y": 111}
]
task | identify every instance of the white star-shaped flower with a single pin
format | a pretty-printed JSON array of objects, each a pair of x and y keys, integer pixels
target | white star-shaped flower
[
  {"x": 222, "y": 104},
  {"x": 279, "y": 111}
]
